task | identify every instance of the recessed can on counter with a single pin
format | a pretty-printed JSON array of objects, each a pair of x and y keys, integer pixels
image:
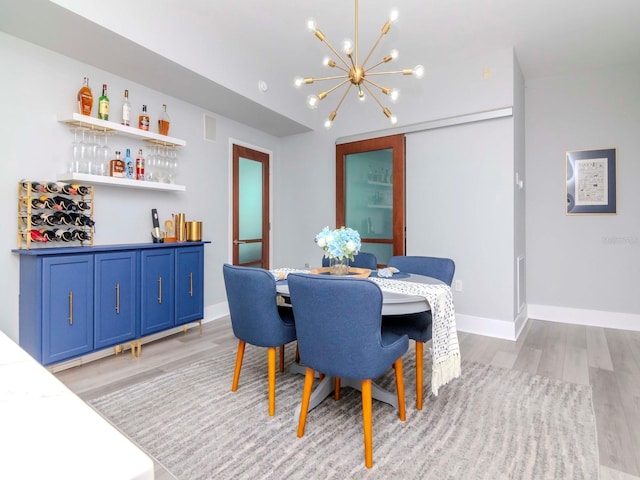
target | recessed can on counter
[{"x": 194, "y": 231}]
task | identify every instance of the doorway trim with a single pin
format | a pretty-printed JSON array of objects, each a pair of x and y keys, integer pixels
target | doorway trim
[{"x": 229, "y": 238}]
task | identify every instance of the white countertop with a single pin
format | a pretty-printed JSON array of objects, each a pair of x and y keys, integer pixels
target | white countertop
[{"x": 46, "y": 431}]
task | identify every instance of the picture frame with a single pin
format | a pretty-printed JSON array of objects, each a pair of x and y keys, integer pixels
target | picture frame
[{"x": 591, "y": 181}]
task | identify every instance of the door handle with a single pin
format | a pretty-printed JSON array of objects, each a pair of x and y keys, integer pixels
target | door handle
[
  {"x": 118, "y": 298},
  {"x": 238, "y": 242}
]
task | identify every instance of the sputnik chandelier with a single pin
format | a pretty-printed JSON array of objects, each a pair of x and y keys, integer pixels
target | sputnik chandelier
[{"x": 356, "y": 74}]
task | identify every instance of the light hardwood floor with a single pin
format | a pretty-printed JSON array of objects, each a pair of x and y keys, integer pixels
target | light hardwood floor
[{"x": 606, "y": 359}]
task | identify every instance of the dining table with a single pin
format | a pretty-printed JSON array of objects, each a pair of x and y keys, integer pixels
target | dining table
[{"x": 393, "y": 303}]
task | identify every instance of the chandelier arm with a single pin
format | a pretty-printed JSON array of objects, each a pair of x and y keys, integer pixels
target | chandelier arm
[
  {"x": 373, "y": 95},
  {"x": 336, "y": 53},
  {"x": 336, "y": 77},
  {"x": 343, "y": 97},
  {"x": 376, "y": 65},
  {"x": 336, "y": 87},
  {"x": 406, "y": 71},
  {"x": 375, "y": 84},
  {"x": 375, "y": 45}
]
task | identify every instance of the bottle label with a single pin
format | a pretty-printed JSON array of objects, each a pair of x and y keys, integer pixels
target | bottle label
[
  {"x": 103, "y": 111},
  {"x": 144, "y": 122},
  {"x": 126, "y": 115}
]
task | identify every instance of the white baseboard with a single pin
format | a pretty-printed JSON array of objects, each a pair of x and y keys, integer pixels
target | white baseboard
[
  {"x": 580, "y": 316},
  {"x": 489, "y": 327}
]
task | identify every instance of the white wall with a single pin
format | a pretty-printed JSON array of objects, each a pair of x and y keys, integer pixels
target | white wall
[
  {"x": 583, "y": 269},
  {"x": 35, "y": 85}
]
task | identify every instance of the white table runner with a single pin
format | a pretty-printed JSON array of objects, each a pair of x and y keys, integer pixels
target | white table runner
[{"x": 445, "y": 348}]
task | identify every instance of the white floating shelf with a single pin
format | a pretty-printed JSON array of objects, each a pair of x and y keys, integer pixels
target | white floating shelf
[
  {"x": 117, "y": 182},
  {"x": 84, "y": 121}
]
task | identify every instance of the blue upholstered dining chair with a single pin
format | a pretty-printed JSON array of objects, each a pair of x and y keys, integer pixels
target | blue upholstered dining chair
[
  {"x": 257, "y": 319},
  {"x": 418, "y": 325},
  {"x": 361, "y": 260},
  {"x": 338, "y": 323}
]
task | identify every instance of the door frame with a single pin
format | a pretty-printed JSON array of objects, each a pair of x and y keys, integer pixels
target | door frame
[
  {"x": 232, "y": 142},
  {"x": 397, "y": 144}
]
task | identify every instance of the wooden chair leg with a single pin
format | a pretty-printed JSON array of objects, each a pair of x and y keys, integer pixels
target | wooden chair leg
[
  {"x": 336, "y": 388},
  {"x": 281, "y": 351},
  {"x": 271, "y": 360},
  {"x": 306, "y": 397},
  {"x": 236, "y": 372},
  {"x": 297, "y": 356},
  {"x": 367, "y": 422},
  {"x": 419, "y": 373},
  {"x": 397, "y": 366}
]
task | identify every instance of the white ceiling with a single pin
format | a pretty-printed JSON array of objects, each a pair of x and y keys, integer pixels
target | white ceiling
[{"x": 211, "y": 52}]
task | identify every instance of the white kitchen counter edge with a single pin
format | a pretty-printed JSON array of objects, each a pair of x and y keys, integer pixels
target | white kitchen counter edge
[{"x": 49, "y": 432}]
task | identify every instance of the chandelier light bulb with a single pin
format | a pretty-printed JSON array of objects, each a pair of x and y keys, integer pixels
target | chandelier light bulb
[
  {"x": 394, "y": 94},
  {"x": 393, "y": 15},
  {"x": 418, "y": 71},
  {"x": 327, "y": 62},
  {"x": 361, "y": 96},
  {"x": 347, "y": 47},
  {"x": 311, "y": 25},
  {"x": 393, "y": 119},
  {"x": 313, "y": 101},
  {"x": 327, "y": 124},
  {"x": 394, "y": 54},
  {"x": 298, "y": 82}
]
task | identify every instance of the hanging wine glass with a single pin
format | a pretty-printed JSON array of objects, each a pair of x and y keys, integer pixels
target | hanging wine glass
[
  {"x": 105, "y": 156},
  {"x": 76, "y": 154},
  {"x": 84, "y": 153}
]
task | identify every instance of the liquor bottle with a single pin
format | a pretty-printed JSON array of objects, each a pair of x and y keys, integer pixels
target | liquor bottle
[
  {"x": 140, "y": 166},
  {"x": 164, "y": 121},
  {"x": 129, "y": 166},
  {"x": 85, "y": 98},
  {"x": 126, "y": 110},
  {"x": 116, "y": 166},
  {"x": 143, "y": 119},
  {"x": 103, "y": 104}
]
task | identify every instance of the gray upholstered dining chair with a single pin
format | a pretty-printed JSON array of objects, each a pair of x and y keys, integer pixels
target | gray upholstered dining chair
[
  {"x": 418, "y": 325},
  {"x": 361, "y": 260},
  {"x": 338, "y": 324},
  {"x": 257, "y": 319}
]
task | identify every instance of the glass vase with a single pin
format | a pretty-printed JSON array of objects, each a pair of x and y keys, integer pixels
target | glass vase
[{"x": 339, "y": 266}]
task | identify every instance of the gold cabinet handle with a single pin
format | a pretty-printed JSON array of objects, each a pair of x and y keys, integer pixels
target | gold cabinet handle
[
  {"x": 159, "y": 289},
  {"x": 70, "y": 308},
  {"x": 118, "y": 298},
  {"x": 191, "y": 284}
]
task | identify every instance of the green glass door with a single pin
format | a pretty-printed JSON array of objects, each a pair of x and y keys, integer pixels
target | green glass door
[
  {"x": 370, "y": 193},
  {"x": 251, "y": 207}
]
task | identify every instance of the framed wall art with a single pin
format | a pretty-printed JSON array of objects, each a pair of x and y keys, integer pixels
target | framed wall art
[{"x": 591, "y": 181}]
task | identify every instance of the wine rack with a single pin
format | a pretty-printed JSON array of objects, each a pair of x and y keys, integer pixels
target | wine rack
[{"x": 51, "y": 213}]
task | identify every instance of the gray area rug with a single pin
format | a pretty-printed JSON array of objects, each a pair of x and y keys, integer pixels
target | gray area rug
[{"x": 491, "y": 423}]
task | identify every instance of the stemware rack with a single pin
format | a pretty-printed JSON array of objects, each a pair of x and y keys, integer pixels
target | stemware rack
[{"x": 54, "y": 213}]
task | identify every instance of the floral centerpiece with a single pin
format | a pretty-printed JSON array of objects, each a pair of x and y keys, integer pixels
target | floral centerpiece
[{"x": 340, "y": 246}]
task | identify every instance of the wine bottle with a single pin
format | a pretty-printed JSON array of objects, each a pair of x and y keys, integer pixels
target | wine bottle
[
  {"x": 83, "y": 206},
  {"x": 140, "y": 166},
  {"x": 126, "y": 109},
  {"x": 50, "y": 235},
  {"x": 129, "y": 167},
  {"x": 68, "y": 189},
  {"x": 143, "y": 119},
  {"x": 39, "y": 218},
  {"x": 164, "y": 121},
  {"x": 103, "y": 104},
  {"x": 85, "y": 98},
  {"x": 81, "y": 189},
  {"x": 80, "y": 235},
  {"x": 62, "y": 234},
  {"x": 52, "y": 187},
  {"x": 37, "y": 236}
]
